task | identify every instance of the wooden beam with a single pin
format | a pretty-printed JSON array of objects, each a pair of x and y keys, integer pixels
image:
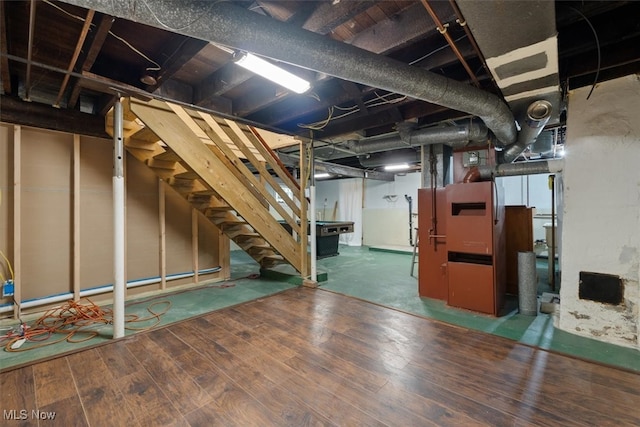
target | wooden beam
[
  {"x": 99, "y": 38},
  {"x": 17, "y": 223},
  {"x": 74, "y": 57},
  {"x": 38, "y": 115},
  {"x": 194, "y": 244},
  {"x": 32, "y": 25},
  {"x": 183, "y": 139},
  {"x": 235, "y": 137},
  {"x": 163, "y": 233},
  {"x": 272, "y": 158},
  {"x": 242, "y": 139},
  {"x": 187, "y": 49},
  {"x": 5, "y": 75},
  {"x": 232, "y": 163},
  {"x": 224, "y": 258},
  {"x": 76, "y": 217},
  {"x": 221, "y": 81}
]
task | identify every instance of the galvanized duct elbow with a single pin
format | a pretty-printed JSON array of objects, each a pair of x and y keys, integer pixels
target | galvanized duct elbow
[
  {"x": 455, "y": 136},
  {"x": 230, "y": 25},
  {"x": 538, "y": 115}
]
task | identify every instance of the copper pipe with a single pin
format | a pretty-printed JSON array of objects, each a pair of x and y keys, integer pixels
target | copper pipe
[
  {"x": 32, "y": 24},
  {"x": 274, "y": 155},
  {"x": 463, "y": 23},
  {"x": 472, "y": 176},
  {"x": 442, "y": 30}
]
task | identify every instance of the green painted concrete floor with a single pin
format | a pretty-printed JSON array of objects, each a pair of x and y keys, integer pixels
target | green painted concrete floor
[{"x": 380, "y": 277}]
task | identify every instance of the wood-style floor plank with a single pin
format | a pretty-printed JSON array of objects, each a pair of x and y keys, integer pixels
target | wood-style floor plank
[
  {"x": 312, "y": 357},
  {"x": 18, "y": 393},
  {"x": 52, "y": 380}
]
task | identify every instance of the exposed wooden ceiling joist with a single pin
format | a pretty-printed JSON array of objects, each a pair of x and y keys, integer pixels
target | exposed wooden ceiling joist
[
  {"x": 99, "y": 37},
  {"x": 4, "y": 61},
  {"x": 72, "y": 63}
]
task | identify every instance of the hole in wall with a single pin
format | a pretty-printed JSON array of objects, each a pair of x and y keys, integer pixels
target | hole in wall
[{"x": 599, "y": 287}]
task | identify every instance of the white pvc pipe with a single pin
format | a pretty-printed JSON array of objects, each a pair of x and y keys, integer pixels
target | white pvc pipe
[
  {"x": 312, "y": 207},
  {"x": 101, "y": 290},
  {"x": 119, "y": 281}
]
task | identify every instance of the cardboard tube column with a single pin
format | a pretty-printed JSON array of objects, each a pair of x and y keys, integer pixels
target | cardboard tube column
[
  {"x": 527, "y": 284},
  {"x": 118, "y": 223}
]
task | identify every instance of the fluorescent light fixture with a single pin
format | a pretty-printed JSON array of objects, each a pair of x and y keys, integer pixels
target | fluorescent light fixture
[
  {"x": 398, "y": 167},
  {"x": 274, "y": 73},
  {"x": 321, "y": 175}
]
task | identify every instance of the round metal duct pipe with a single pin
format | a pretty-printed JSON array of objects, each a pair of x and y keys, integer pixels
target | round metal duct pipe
[
  {"x": 485, "y": 173},
  {"x": 375, "y": 160},
  {"x": 543, "y": 143},
  {"x": 454, "y": 136},
  {"x": 537, "y": 116},
  {"x": 233, "y": 26}
]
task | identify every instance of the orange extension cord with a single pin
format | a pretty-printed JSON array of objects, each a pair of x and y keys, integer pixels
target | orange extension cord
[{"x": 73, "y": 318}]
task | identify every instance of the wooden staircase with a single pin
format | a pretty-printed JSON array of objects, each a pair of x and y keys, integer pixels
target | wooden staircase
[{"x": 222, "y": 168}]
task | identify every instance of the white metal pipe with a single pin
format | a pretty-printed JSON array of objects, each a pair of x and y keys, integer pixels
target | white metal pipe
[
  {"x": 312, "y": 222},
  {"x": 312, "y": 225},
  {"x": 119, "y": 281}
]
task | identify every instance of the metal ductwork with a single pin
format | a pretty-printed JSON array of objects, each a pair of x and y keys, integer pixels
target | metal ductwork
[
  {"x": 537, "y": 116},
  {"x": 454, "y": 136},
  {"x": 375, "y": 160},
  {"x": 485, "y": 173},
  {"x": 233, "y": 26}
]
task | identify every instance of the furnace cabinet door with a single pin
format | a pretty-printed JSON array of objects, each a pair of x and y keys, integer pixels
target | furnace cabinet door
[
  {"x": 432, "y": 251},
  {"x": 471, "y": 286},
  {"x": 470, "y": 218}
]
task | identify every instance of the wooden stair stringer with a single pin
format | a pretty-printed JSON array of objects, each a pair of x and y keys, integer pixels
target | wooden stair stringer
[{"x": 184, "y": 140}]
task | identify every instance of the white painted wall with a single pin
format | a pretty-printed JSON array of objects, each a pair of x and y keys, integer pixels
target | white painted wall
[
  {"x": 386, "y": 211},
  {"x": 532, "y": 191},
  {"x": 602, "y": 208},
  {"x": 341, "y": 200}
]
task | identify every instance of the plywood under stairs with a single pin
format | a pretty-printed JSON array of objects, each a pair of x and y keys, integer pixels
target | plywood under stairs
[{"x": 206, "y": 159}]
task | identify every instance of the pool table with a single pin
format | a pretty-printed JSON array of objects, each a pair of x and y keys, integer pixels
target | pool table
[{"x": 327, "y": 235}]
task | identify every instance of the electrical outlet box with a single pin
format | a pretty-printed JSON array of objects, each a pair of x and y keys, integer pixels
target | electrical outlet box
[{"x": 7, "y": 289}]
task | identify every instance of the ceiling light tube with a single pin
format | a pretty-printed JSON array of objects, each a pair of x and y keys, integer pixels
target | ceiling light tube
[
  {"x": 321, "y": 175},
  {"x": 272, "y": 72},
  {"x": 397, "y": 167}
]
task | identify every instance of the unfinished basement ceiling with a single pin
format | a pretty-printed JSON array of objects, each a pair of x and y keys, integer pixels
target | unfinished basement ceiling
[{"x": 60, "y": 59}]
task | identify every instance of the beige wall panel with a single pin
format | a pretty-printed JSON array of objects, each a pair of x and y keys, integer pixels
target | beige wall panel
[
  {"x": 178, "y": 232},
  {"x": 46, "y": 213},
  {"x": 143, "y": 244},
  {"x": 96, "y": 212},
  {"x": 207, "y": 244},
  {"x": 6, "y": 198}
]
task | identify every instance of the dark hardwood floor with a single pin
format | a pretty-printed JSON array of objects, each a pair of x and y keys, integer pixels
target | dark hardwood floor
[{"x": 312, "y": 357}]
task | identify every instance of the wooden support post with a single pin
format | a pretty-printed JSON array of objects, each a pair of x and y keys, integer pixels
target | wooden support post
[
  {"x": 163, "y": 234},
  {"x": 194, "y": 244},
  {"x": 17, "y": 189},
  {"x": 224, "y": 256},
  {"x": 76, "y": 217},
  {"x": 304, "y": 258}
]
